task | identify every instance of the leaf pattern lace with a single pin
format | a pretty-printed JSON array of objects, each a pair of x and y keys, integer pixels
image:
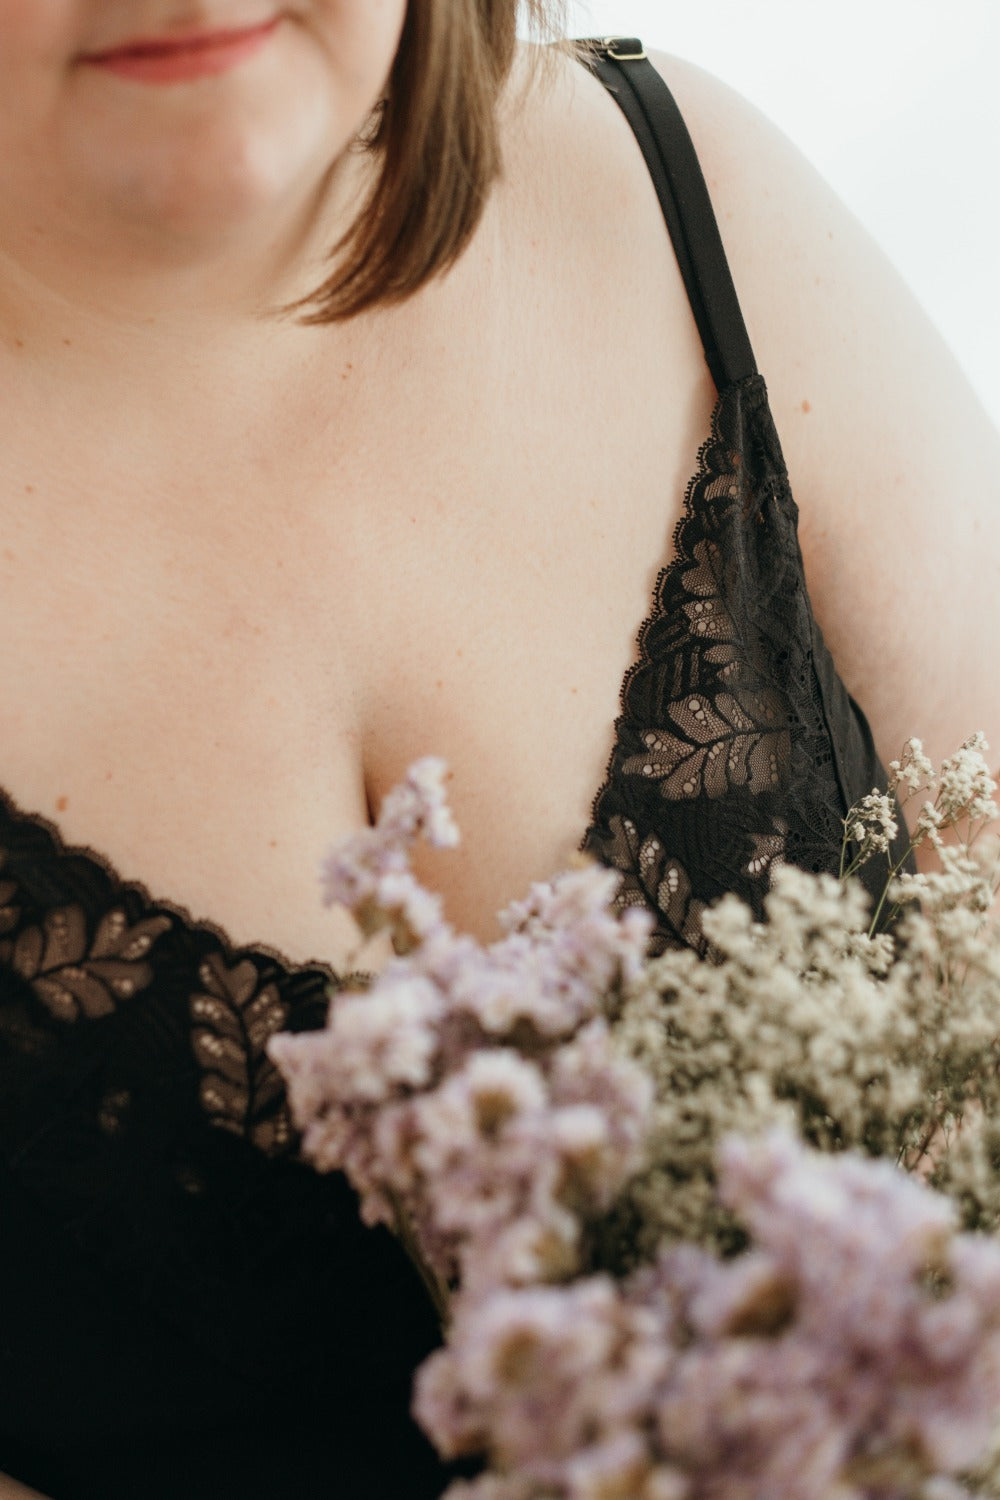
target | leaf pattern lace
[
  {"x": 737, "y": 745},
  {"x": 149, "y": 1171},
  {"x": 132, "y": 1050}
]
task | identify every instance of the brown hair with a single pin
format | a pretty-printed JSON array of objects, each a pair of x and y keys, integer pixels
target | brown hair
[{"x": 437, "y": 135}]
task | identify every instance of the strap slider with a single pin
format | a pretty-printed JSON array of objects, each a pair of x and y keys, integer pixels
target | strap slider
[{"x": 623, "y": 48}]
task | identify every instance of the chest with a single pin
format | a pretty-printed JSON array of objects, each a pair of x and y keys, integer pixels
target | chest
[{"x": 213, "y": 669}]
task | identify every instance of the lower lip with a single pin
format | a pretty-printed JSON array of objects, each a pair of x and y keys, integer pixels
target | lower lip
[{"x": 181, "y": 62}]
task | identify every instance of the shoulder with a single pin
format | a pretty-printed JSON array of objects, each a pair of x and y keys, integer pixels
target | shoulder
[
  {"x": 892, "y": 460},
  {"x": 573, "y": 159},
  {"x": 570, "y": 159}
]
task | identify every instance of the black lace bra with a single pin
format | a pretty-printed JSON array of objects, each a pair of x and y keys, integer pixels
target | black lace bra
[{"x": 189, "y": 1311}]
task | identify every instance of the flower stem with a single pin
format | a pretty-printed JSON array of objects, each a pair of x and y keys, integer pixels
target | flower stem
[{"x": 434, "y": 1286}]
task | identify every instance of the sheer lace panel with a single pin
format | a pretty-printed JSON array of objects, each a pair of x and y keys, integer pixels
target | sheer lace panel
[{"x": 737, "y": 745}]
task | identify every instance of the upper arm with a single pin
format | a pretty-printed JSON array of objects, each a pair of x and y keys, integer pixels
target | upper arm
[
  {"x": 893, "y": 462},
  {"x": 13, "y": 1489}
]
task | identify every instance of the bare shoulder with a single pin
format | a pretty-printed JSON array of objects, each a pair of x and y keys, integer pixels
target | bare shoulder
[
  {"x": 571, "y": 163},
  {"x": 893, "y": 462}
]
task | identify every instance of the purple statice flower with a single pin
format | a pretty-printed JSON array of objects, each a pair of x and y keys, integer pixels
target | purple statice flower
[
  {"x": 512, "y": 1156},
  {"x": 853, "y": 1352},
  {"x": 474, "y": 1092},
  {"x": 369, "y": 872},
  {"x": 549, "y": 1382},
  {"x": 889, "y": 1292},
  {"x": 563, "y": 950},
  {"x": 498, "y": 1161},
  {"x": 348, "y": 1082}
]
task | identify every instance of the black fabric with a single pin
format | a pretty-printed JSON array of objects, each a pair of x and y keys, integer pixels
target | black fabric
[
  {"x": 738, "y": 744},
  {"x": 189, "y": 1311},
  {"x": 659, "y": 127}
]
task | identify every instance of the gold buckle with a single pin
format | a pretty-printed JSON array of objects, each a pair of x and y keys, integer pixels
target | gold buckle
[{"x": 623, "y": 48}]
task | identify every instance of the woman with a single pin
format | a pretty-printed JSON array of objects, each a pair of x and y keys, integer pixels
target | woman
[{"x": 262, "y": 547}]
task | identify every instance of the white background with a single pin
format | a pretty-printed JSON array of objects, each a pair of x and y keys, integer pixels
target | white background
[{"x": 897, "y": 102}]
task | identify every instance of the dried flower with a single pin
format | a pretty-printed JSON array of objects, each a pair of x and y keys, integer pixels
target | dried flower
[
  {"x": 912, "y": 770},
  {"x": 881, "y": 1043},
  {"x": 369, "y": 874},
  {"x": 550, "y": 1108},
  {"x": 855, "y": 1351},
  {"x": 872, "y": 826},
  {"x": 475, "y": 1092}
]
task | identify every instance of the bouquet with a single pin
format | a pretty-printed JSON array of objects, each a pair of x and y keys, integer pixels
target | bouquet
[{"x": 700, "y": 1228}]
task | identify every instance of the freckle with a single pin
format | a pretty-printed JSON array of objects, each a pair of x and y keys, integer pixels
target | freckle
[
  {"x": 439, "y": 683},
  {"x": 19, "y": 343},
  {"x": 272, "y": 843},
  {"x": 9, "y": 555},
  {"x": 68, "y": 343},
  {"x": 62, "y": 803},
  {"x": 806, "y": 406},
  {"x": 109, "y": 775},
  {"x": 29, "y": 489},
  {"x": 459, "y": 652},
  {"x": 574, "y": 691}
]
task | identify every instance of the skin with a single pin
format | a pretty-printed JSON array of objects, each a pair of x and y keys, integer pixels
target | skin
[
  {"x": 250, "y": 570},
  {"x": 254, "y": 555},
  {"x": 225, "y": 173},
  {"x": 10, "y": 1489}
]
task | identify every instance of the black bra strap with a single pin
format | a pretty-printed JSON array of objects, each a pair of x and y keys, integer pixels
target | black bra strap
[{"x": 648, "y": 105}]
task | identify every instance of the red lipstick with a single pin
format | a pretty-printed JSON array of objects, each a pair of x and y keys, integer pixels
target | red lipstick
[{"x": 181, "y": 58}]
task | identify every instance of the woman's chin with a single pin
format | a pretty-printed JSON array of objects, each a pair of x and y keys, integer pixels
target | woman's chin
[
  {"x": 215, "y": 193},
  {"x": 211, "y": 183},
  {"x": 206, "y": 157}
]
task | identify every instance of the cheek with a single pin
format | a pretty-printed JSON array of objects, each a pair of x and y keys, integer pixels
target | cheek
[
  {"x": 38, "y": 42},
  {"x": 33, "y": 60},
  {"x": 361, "y": 38},
  {"x": 40, "y": 28}
]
